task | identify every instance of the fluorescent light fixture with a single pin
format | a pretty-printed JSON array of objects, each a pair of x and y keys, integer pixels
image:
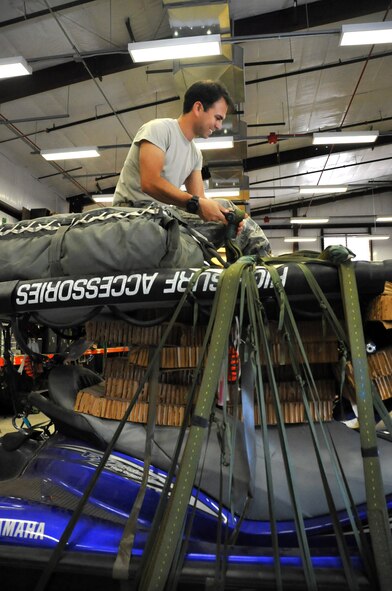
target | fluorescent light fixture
[
  {"x": 102, "y": 198},
  {"x": 364, "y": 236},
  {"x": 300, "y": 239},
  {"x": 366, "y": 33},
  {"x": 309, "y": 220},
  {"x": 385, "y": 218},
  {"x": 69, "y": 153},
  {"x": 345, "y": 137},
  {"x": 14, "y": 66},
  {"x": 178, "y": 48},
  {"x": 310, "y": 190},
  {"x": 227, "y": 192},
  {"x": 215, "y": 143}
]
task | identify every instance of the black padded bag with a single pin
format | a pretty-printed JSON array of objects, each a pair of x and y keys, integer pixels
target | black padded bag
[{"x": 99, "y": 241}]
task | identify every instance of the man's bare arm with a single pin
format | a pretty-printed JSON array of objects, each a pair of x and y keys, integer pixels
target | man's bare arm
[
  {"x": 209, "y": 211},
  {"x": 151, "y": 162}
]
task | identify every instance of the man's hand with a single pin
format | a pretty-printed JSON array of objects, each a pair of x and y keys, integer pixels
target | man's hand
[{"x": 211, "y": 211}]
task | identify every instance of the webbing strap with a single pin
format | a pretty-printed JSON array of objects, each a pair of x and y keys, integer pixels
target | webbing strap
[
  {"x": 248, "y": 411},
  {"x": 54, "y": 253},
  {"x": 55, "y": 557},
  {"x": 308, "y": 390},
  {"x": 376, "y": 507},
  {"x": 290, "y": 475},
  {"x": 261, "y": 341},
  {"x": 312, "y": 390},
  {"x": 380, "y": 408},
  {"x": 166, "y": 491},
  {"x": 182, "y": 545},
  {"x": 161, "y": 556},
  {"x": 121, "y": 564}
]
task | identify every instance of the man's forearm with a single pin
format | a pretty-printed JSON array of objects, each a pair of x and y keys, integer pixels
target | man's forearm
[{"x": 165, "y": 192}]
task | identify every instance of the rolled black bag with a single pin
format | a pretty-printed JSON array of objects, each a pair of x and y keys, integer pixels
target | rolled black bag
[{"x": 98, "y": 241}]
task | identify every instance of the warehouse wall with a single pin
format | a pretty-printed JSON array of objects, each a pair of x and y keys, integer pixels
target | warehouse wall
[
  {"x": 19, "y": 189},
  {"x": 353, "y": 208}
]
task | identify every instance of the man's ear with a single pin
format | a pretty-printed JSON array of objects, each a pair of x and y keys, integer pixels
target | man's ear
[{"x": 198, "y": 107}]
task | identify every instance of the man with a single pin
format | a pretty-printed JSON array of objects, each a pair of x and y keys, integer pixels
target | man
[{"x": 163, "y": 157}]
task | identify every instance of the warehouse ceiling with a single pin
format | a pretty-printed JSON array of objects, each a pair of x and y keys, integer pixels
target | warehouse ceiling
[{"x": 282, "y": 62}]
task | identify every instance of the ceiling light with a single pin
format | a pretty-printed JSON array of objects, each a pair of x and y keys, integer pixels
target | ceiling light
[
  {"x": 69, "y": 153},
  {"x": 103, "y": 198},
  {"x": 300, "y": 239},
  {"x": 345, "y": 137},
  {"x": 14, "y": 66},
  {"x": 366, "y": 33},
  {"x": 387, "y": 218},
  {"x": 310, "y": 189},
  {"x": 306, "y": 220},
  {"x": 178, "y": 48},
  {"x": 215, "y": 143},
  {"x": 227, "y": 192},
  {"x": 368, "y": 236}
]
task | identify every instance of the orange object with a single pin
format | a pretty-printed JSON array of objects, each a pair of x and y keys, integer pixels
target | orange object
[
  {"x": 28, "y": 366},
  {"x": 234, "y": 363}
]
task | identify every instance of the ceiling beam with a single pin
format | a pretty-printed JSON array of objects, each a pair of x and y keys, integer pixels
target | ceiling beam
[
  {"x": 111, "y": 114},
  {"x": 65, "y": 74},
  {"x": 290, "y": 156},
  {"x": 331, "y": 226},
  {"x": 321, "y": 67},
  {"x": 315, "y": 201},
  {"x": 40, "y": 13},
  {"x": 306, "y": 15},
  {"x": 290, "y": 19}
]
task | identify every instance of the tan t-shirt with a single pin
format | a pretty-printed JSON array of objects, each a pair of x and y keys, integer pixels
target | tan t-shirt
[{"x": 181, "y": 158}]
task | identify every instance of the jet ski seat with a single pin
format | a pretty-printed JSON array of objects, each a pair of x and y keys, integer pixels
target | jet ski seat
[{"x": 65, "y": 381}]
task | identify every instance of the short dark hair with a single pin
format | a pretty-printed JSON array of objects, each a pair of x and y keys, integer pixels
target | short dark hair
[{"x": 207, "y": 92}]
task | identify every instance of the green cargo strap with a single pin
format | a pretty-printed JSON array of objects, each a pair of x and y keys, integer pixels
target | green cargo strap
[
  {"x": 159, "y": 562},
  {"x": 175, "y": 456},
  {"x": 340, "y": 477},
  {"x": 284, "y": 308},
  {"x": 55, "y": 557},
  {"x": 54, "y": 254},
  {"x": 309, "y": 392},
  {"x": 121, "y": 564},
  {"x": 380, "y": 408},
  {"x": 234, "y": 218},
  {"x": 376, "y": 507},
  {"x": 260, "y": 333}
]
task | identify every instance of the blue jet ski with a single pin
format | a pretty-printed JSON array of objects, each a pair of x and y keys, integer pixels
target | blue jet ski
[{"x": 252, "y": 522}]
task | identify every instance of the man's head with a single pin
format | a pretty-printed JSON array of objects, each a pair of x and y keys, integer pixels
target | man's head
[
  {"x": 205, "y": 106},
  {"x": 207, "y": 92}
]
